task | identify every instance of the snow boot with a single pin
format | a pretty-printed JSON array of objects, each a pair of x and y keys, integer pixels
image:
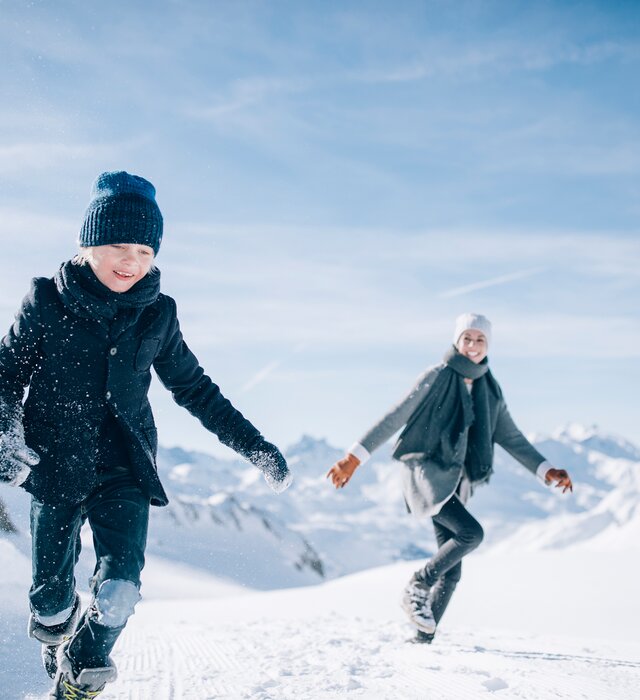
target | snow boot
[
  {"x": 52, "y": 637},
  {"x": 86, "y": 684},
  {"x": 415, "y": 602},
  {"x": 421, "y": 638}
]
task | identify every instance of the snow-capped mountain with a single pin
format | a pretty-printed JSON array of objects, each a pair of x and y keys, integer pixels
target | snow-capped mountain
[
  {"x": 224, "y": 519},
  {"x": 224, "y": 506},
  {"x": 213, "y": 522},
  {"x": 366, "y": 524},
  {"x": 604, "y": 511},
  {"x": 558, "y": 554}
]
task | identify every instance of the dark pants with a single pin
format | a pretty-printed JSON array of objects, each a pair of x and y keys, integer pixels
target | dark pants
[
  {"x": 457, "y": 534},
  {"x": 118, "y": 514}
]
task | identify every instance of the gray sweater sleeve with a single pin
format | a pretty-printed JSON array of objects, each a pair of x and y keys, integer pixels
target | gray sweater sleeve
[
  {"x": 399, "y": 414},
  {"x": 508, "y": 436}
]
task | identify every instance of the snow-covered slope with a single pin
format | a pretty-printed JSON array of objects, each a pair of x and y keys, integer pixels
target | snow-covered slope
[
  {"x": 547, "y": 609},
  {"x": 366, "y": 524},
  {"x": 521, "y": 626},
  {"x": 605, "y": 513},
  {"x": 223, "y": 519},
  {"x": 213, "y": 522}
]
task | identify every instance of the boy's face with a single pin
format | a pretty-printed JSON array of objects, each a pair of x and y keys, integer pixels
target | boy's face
[
  {"x": 121, "y": 265},
  {"x": 473, "y": 344}
]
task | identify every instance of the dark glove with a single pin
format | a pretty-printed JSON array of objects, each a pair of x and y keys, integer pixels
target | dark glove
[
  {"x": 273, "y": 465},
  {"x": 16, "y": 459}
]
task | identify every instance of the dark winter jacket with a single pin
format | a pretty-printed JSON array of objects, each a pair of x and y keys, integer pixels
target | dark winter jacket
[{"x": 80, "y": 373}]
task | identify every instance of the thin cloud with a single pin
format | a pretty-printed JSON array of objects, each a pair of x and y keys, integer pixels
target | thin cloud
[
  {"x": 506, "y": 57},
  {"x": 18, "y": 158},
  {"x": 248, "y": 93},
  {"x": 263, "y": 373},
  {"x": 494, "y": 282}
]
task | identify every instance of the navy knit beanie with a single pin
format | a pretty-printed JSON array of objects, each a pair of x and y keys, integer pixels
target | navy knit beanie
[{"x": 122, "y": 209}]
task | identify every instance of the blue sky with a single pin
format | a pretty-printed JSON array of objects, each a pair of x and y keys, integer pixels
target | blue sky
[{"x": 339, "y": 180}]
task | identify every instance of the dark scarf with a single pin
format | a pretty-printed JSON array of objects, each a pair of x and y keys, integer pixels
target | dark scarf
[
  {"x": 448, "y": 413},
  {"x": 85, "y": 296}
]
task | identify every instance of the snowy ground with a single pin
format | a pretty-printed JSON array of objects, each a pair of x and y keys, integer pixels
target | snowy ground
[
  {"x": 195, "y": 638},
  {"x": 547, "y": 608}
]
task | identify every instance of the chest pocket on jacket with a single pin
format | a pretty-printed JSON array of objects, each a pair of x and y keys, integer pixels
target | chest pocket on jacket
[{"x": 146, "y": 353}]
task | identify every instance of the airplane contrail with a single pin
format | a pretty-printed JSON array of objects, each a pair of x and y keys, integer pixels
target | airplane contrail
[
  {"x": 263, "y": 373},
  {"x": 260, "y": 375},
  {"x": 503, "y": 279}
]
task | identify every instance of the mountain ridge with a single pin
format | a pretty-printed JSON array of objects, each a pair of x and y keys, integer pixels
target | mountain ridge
[{"x": 223, "y": 518}]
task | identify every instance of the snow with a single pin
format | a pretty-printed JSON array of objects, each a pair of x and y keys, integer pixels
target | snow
[
  {"x": 347, "y": 637},
  {"x": 547, "y": 607}
]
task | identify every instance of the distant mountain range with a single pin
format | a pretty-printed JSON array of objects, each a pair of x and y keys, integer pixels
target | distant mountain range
[
  {"x": 317, "y": 531},
  {"x": 223, "y": 518}
]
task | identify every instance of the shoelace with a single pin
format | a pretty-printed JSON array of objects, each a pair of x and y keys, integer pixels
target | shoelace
[
  {"x": 418, "y": 594},
  {"x": 71, "y": 692}
]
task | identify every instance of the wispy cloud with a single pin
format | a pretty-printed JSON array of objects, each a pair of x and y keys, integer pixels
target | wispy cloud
[
  {"x": 300, "y": 284},
  {"x": 263, "y": 373},
  {"x": 493, "y": 282},
  {"x": 444, "y": 59},
  {"x": 247, "y": 93},
  {"x": 16, "y": 158}
]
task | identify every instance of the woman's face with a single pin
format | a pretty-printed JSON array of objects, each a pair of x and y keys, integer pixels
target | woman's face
[
  {"x": 473, "y": 344},
  {"x": 121, "y": 265}
]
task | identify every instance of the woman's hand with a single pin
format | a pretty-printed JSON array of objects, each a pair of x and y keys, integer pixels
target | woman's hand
[
  {"x": 342, "y": 470},
  {"x": 561, "y": 477}
]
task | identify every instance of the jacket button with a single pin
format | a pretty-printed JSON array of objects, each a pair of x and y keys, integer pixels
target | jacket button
[
  {"x": 107, "y": 395},
  {"x": 113, "y": 351},
  {"x": 86, "y": 435}
]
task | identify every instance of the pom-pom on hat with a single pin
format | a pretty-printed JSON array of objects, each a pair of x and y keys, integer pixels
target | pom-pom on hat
[
  {"x": 122, "y": 209},
  {"x": 466, "y": 322}
]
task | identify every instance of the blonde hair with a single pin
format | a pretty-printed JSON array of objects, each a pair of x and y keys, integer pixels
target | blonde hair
[
  {"x": 85, "y": 255},
  {"x": 82, "y": 257}
]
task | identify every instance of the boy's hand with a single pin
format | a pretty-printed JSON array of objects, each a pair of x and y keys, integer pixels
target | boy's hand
[
  {"x": 274, "y": 466},
  {"x": 280, "y": 484},
  {"x": 16, "y": 459},
  {"x": 561, "y": 477},
  {"x": 342, "y": 471}
]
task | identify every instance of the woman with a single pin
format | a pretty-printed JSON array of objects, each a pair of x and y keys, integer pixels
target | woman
[{"x": 452, "y": 418}]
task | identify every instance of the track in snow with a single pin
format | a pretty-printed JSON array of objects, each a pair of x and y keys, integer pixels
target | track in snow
[
  {"x": 347, "y": 639},
  {"x": 331, "y": 656}
]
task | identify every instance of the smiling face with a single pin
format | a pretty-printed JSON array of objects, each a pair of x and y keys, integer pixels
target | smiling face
[
  {"x": 473, "y": 344},
  {"x": 121, "y": 265}
]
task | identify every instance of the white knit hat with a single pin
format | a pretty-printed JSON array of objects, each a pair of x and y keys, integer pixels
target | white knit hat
[{"x": 466, "y": 322}]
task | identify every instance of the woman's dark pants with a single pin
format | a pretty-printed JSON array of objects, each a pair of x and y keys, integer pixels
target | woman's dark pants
[{"x": 457, "y": 534}]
